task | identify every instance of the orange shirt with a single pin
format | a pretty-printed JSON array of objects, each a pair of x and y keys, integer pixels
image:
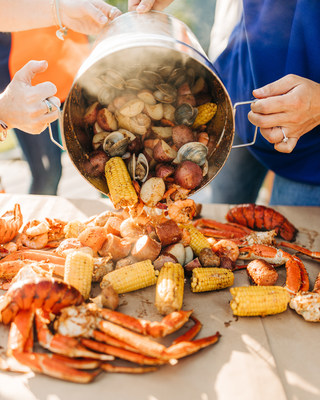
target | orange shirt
[{"x": 64, "y": 56}]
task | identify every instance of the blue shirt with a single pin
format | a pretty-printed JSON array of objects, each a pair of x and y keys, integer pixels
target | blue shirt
[{"x": 274, "y": 38}]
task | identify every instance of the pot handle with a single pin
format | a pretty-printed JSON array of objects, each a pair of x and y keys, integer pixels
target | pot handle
[
  {"x": 256, "y": 130},
  {"x": 50, "y": 130}
]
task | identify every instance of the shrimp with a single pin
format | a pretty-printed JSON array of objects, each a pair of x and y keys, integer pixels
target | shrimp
[
  {"x": 226, "y": 248},
  {"x": 181, "y": 211},
  {"x": 35, "y": 234}
]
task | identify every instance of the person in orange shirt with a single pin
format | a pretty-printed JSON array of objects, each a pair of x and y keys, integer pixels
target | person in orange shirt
[{"x": 53, "y": 77}]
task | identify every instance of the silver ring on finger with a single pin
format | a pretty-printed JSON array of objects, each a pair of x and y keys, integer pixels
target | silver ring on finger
[
  {"x": 48, "y": 105},
  {"x": 285, "y": 138}
]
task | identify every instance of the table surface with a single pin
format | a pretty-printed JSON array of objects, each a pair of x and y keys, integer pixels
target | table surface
[{"x": 276, "y": 357}]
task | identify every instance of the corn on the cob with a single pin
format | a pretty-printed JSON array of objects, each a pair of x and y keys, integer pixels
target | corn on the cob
[
  {"x": 73, "y": 229},
  {"x": 78, "y": 271},
  {"x": 170, "y": 288},
  {"x": 206, "y": 279},
  {"x": 131, "y": 277},
  {"x": 259, "y": 300},
  {"x": 205, "y": 113},
  {"x": 197, "y": 240},
  {"x": 122, "y": 192}
]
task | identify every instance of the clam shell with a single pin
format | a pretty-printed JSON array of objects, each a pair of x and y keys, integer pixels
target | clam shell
[
  {"x": 116, "y": 144},
  {"x": 185, "y": 114},
  {"x": 192, "y": 151},
  {"x": 138, "y": 167}
]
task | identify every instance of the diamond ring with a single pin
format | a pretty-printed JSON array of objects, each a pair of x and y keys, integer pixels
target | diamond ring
[{"x": 285, "y": 138}]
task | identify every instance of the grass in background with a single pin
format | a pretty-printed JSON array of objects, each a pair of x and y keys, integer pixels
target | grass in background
[{"x": 197, "y": 14}]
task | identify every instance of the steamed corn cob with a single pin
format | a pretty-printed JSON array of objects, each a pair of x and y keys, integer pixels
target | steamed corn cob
[
  {"x": 259, "y": 300},
  {"x": 122, "y": 192},
  {"x": 131, "y": 277},
  {"x": 78, "y": 271},
  {"x": 197, "y": 240},
  {"x": 205, "y": 113},
  {"x": 170, "y": 288},
  {"x": 206, "y": 279}
]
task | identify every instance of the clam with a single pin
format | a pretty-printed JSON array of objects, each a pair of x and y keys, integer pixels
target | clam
[
  {"x": 185, "y": 114},
  {"x": 135, "y": 84},
  {"x": 165, "y": 93},
  {"x": 105, "y": 95},
  {"x": 177, "y": 77},
  {"x": 151, "y": 78},
  {"x": 113, "y": 78},
  {"x": 115, "y": 144},
  {"x": 138, "y": 167},
  {"x": 192, "y": 151},
  {"x": 98, "y": 139}
]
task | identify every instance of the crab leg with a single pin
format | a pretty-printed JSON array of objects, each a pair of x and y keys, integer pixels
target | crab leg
[
  {"x": 121, "y": 353},
  {"x": 169, "y": 324},
  {"x": 221, "y": 234},
  {"x": 127, "y": 370},
  {"x": 34, "y": 255},
  {"x": 143, "y": 344},
  {"x": 231, "y": 227},
  {"x": 61, "y": 344},
  {"x": 186, "y": 348},
  {"x": 45, "y": 364},
  {"x": 191, "y": 333},
  {"x": 313, "y": 254}
]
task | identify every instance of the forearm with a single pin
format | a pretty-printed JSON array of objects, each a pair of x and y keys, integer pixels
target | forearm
[{"x": 19, "y": 15}]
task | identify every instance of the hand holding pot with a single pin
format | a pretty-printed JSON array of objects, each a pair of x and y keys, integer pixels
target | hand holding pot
[
  {"x": 86, "y": 16},
  {"x": 142, "y": 6},
  {"x": 288, "y": 107},
  {"x": 24, "y": 106}
]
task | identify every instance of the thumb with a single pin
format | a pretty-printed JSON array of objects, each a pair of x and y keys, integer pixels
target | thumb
[
  {"x": 276, "y": 88},
  {"x": 28, "y": 71},
  {"x": 144, "y": 6}
]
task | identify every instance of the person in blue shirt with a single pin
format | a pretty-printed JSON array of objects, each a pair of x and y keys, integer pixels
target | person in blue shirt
[{"x": 271, "y": 53}]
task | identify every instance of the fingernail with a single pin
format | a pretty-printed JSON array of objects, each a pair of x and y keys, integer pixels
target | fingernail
[{"x": 141, "y": 8}]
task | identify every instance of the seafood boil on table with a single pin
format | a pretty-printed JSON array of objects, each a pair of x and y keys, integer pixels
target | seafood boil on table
[
  {"x": 48, "y": 268},
  {"x": 151, "y": 136}
]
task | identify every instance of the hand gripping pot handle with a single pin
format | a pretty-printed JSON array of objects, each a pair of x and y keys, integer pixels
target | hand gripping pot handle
[{"x": 255, "y": 131}]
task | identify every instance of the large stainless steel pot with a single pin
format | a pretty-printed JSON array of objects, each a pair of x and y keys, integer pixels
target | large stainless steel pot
[{"x": 133, "y": 40}]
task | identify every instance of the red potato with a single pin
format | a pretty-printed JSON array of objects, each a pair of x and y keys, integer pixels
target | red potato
[
  {"x": 164, "y": 170},
  {"x": 91, "y": 113},
  {"x": 162, "y": 152},
  {"x": 152, "y": 191},
  {"x": 188, "y": 175},
  {"x": 94, "y": 237},
  {"x": 146, "y": 248},
  {"x": 168, "y": 112},
  {"x": 107, "y": 120},
  {"x": 159, "y": 262},
  {"x": 113, "y": 225},
  {"x": 195, "y": 263},
  {"x": 188, "y": 98},
  {"x": 116, "y": 247},
  {"x": 147, "y": 97},
  {"x": 97, "y": 128},
  {"x": 182, "y": 134},
  {"x": 108, "y": 297},
  {"x": 95, "y": 164},
  {"x": 162, "y": 132},
  {"x": 262, "y": 273},
  {"x": 178, "y": 251},
  {"x": 120, "y": 101},
  {"x": 168, "y": 232}
]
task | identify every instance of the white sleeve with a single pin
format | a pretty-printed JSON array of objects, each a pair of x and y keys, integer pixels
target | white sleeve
[{"x": 227, "y": 15}]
